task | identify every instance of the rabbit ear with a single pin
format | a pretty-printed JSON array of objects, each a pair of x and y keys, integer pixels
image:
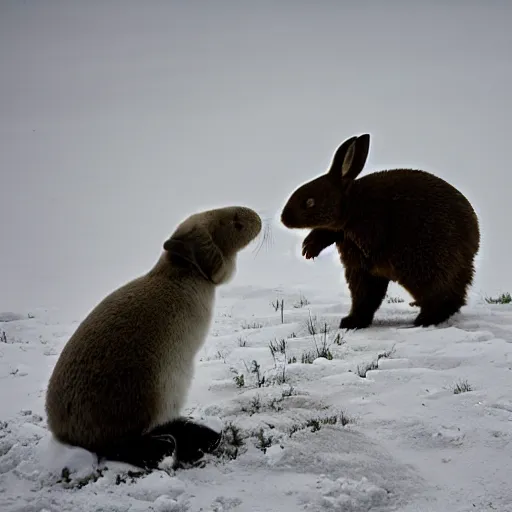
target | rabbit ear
[
  {"x": 197, "y": 248},
  {"x": 350, "y": 157}
]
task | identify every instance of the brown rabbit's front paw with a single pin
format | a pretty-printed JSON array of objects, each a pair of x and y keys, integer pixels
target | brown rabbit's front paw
[
  {"x": 311, "y": 248},
  {"x": 355, "y": 322}
]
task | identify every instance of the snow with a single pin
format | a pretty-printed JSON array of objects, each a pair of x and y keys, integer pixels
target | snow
[{"x": 325, "y": 435}]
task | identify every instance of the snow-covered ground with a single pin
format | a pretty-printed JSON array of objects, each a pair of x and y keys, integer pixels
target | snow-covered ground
[{"x": 375, "y": 425}]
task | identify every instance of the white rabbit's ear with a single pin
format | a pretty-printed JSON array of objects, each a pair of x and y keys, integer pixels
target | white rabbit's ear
[
  {"x": 350, "y": 157},
  {"x": 196, "y": 247}
]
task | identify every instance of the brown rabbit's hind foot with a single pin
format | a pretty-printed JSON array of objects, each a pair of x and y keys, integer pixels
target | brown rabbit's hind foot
[
  {"x": 353, "y": 322},
  {"x": 367, "y": 292},
  {"x": 433, "y": 314}
]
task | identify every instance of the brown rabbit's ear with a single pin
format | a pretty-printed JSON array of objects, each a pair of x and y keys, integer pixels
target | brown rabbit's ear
[
  {"x": 197, "y": 249},
  {"x": 350, "y": 157}
]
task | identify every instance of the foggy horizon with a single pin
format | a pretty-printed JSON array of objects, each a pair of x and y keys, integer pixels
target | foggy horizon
[{"x": 119, "y": 119}]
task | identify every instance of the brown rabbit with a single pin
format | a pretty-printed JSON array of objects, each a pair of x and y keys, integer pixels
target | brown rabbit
[{"x": 400, "y": 225}]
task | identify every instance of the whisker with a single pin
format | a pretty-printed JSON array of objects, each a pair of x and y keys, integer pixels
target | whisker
[{"x": 266, "y": 238}]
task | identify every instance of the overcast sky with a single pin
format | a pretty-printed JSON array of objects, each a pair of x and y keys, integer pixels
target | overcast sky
[{"x": 119, "y": 118}]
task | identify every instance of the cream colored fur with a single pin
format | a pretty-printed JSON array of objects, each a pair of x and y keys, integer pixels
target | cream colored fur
[{"x": 129, "y": 365}]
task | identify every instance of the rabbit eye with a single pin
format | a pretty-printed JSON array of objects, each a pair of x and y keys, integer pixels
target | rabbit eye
[
  {"x": 310, "y": 203},
  {"x": 236, "y": 222}
]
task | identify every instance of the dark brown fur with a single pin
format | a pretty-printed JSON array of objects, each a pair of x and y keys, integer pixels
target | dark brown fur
[{"x": 400, "y": 225}]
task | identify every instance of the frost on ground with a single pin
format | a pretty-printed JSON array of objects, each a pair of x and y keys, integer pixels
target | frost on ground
[{"x": 388, "y": 418}]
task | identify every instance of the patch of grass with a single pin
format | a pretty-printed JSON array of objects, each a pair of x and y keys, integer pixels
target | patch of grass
[
  {"x": 307, "y": 357},
  {"x": 311, "y": 324},
  {"x": 315, "y": 424},
  {"x": 3, "y": 337},
  {"x": 288, "y": 392},
  {"x": 364, "y": 369},
  {"x": 220, "y": 355},
  {"x": 322, "y": 349},
  {"x": 242, "y": 342},
  {"x": 386, "y": 354},
  {"x": 338, "y": 339},
  {"x": 253, "y": 407},
  {"x": 277, "y": 347},
  {"x": 463, "y": 386},
  {"x": 278, "y": 351},
  {"x": 78, "y": 483},
  {"x": 504, "y": 298},
  {"x": 321, "y": 346},
  {"x": 255, "y": 369},
  {"x": 276, "y": 403},
  {"x": 292, "y": 335},
  {"x": 344, "y": 419},
  {"x": 301, "y": 302},
  {"x": 253, "y": 325},
  {"x": 279, "y": 305},
  {"x": 394, "y": 300},
  {"x": 130, "y": 477}
]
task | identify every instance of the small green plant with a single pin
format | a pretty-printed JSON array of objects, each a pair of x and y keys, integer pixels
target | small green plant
[
  {"x": 504, "y": 298},
  {"x": 230, "y": 444},
  {"x": 233, "y": 432},
  {"x": 239, "y": 380},
  {"x": 263, "y": 442},
  {"x": 463, "y": 386},
  {"x": 242, "y": 342},
  {"x": 292, "y": 360},
  {"x": 3, "y": 337}
]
